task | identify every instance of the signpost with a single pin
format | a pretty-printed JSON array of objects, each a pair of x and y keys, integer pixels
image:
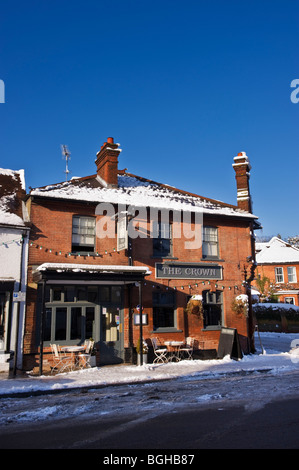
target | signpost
[{"x": 229, "y": 344}]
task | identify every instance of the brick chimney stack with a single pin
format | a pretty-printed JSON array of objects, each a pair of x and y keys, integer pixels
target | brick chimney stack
[
  {"x": 107, "y": 163},
  {"x": 242, "y": 168}
]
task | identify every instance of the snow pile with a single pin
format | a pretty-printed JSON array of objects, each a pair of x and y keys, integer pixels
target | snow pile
[
  {"x": 276, "y": 306},
  {"x": 281, "y": 354}
]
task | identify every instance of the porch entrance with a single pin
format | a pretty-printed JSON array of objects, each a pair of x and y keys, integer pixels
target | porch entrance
[
  {"x": 88, "y": 298},
  {"x": 111, "y": 344},
  {"x": 76, "y": 313}
]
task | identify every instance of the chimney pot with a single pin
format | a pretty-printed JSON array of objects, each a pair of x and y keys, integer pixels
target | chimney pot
[
  {"x": 107, "y": 162},
  {"x": 242, "y": 168}
]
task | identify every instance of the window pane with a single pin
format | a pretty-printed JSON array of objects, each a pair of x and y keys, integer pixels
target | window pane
[
  {"x": 76, "y": 323},
  {"x": 89, "y": 322},
  {"x": 81, "y": 293},
  {"x": 163, "y": 310},
  {"x": 212, "y": 305},
  {"x": 60, "y": 324},
  {"x": 210, "y": 234},
  {"x": 163, "y": 317},
  {"x": 161, "y": 239},
  {"x": 83, "y": 238},
  {"x": 110, "y": 324},
  {"x": 279, "y": 274},
  {"x": 115, "y": 294},
  {"x": 291, "y": 274},
  {"x": 92, "y": 294},
  {"x": 69, "y": 294},
  {"x": 48, "y": 324},
  {"x": 210, "y": 242},
  {"x": 57, "y": 293},
  {"x": 104, "y": 294}
]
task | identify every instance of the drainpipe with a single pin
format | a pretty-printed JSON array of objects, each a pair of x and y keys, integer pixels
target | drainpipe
[
  {"x": 251, "y": 326},
  {"x": 19, "y": 306},
  {"x": 42, "y": 322},
  {"x": 140, "y": 324}
]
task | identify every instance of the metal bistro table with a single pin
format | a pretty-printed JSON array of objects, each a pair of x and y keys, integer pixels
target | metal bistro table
[
  {"x": 174, "y": 349},
  {"x": 74, "y": 350}
]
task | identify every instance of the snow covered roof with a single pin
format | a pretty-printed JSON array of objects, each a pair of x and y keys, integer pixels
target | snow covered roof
[
  {"x": 63, "y": 267},
  {"x": 137, "y": 191},
  {"x": 12, "y": 192},
  {"x": 277, "y": 251}
]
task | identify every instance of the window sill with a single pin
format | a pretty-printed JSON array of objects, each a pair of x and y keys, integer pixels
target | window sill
[
  {"x": 84, "y": 253},
  {"x": 166, "y": 330},
  {"x": 212, "y": 328},
  {"x": 164, "y": 257},
  {"x": 212, "y": 259}
]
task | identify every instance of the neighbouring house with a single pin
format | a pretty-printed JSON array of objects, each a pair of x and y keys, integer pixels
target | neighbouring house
[
  {"x": 110, "y": 249},
  {"x": 14, "y": 235},
  {"x": 278, "y": 265}
]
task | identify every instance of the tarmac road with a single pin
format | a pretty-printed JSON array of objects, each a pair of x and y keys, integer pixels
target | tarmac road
[{"x": 256, "y": 411}]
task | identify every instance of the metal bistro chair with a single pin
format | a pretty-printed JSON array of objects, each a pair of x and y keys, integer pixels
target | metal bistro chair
[
  {"x": 86, "y": 355},
  {"x": 62, "y": 362},
  {"x": 187, "y": 349},
  {"x": 159, "y": 351}
]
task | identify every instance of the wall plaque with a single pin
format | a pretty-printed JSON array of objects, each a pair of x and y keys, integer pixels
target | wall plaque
[{"x": 188, "y": 271}]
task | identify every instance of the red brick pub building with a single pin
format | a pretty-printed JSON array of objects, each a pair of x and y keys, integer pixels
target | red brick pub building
[{"x": 84, "y": 284}]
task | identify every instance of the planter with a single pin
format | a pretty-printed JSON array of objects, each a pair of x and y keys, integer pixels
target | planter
[{"x": 144, "y": 358}]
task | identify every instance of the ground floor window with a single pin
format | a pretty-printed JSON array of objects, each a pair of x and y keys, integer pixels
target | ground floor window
[
  {"x": 212, "y": 307},
  {"x": 73, "y": 312},
  {"x": 164, "y": 310},
  {"x": 289, "y": 300},
  {"x": 68, "y": 323}
]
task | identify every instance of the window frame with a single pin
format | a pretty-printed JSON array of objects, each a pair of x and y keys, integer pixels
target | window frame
[
  {"x": 294, "y": 274},
  {"x": 289, "y": 303},
  {"x": 276, "y": 268},
  {"x": 160, "y": 228},
  {"x": 210, "y": 243},
  {"x": 114, "y": 298},
  {"x": 164, "y": 305},
  {"x": 83, "y": 247},
  {"x": 208, "y": 305}
]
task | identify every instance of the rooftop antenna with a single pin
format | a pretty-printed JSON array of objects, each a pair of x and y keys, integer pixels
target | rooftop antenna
[{"x": 67, "y": 156}]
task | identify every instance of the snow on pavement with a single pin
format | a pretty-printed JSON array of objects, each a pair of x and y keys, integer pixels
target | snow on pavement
[{"x": 280, "y": 354}]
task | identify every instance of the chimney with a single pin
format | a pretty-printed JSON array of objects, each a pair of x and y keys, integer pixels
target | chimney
[
  {"x": 242, "y": 168},
  {"x": 107, "y": 163}
]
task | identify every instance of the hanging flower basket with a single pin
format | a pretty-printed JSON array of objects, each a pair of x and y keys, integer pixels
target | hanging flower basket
[
  {"x": 195, "y": 306},
  {"x": 240, "y": 305}
]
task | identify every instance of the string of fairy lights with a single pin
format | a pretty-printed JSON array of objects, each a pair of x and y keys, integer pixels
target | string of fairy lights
[{"x": 189, "y": 285}]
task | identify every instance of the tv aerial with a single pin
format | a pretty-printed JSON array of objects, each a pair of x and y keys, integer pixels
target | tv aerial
[{"x": 66, "y": 155}]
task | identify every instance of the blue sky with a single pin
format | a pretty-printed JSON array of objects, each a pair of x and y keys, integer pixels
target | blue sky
[{"x": 183, "y": 86}]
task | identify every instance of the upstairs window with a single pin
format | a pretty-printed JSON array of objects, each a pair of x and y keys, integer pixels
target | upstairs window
[
  {"x": 162, "y": 240},
  {"x": 292, "y": 274},
  {"x": 210, "y": 243},
  {"x": 83, "y": 235},
  {"x": 279, "y": 275}
]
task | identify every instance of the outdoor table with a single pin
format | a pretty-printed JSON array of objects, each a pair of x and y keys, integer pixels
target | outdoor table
[
  {"x": 174, "y": 349},
  {"x": 74, "y": 350}
]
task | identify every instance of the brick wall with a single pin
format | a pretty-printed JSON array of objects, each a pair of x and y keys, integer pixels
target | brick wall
[{"x": 51, "y": 238}]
